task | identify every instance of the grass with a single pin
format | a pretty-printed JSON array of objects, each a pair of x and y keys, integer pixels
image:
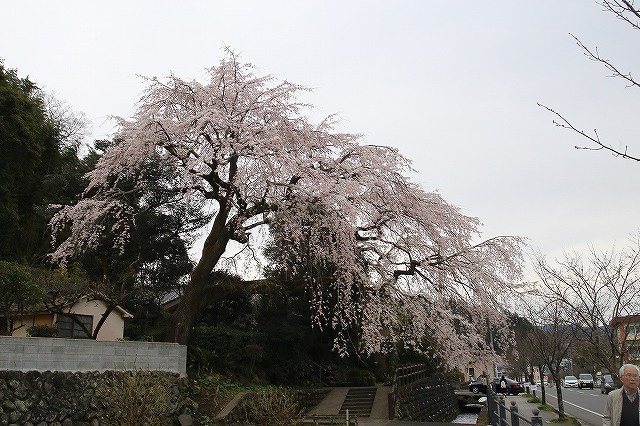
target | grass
[
  {"x": 483, "y": 418},
  {"x": 567, "y": 420},
  {"x": 546, "y": 407}
]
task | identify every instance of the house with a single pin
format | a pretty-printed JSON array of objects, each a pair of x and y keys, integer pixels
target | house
[
  {"x": 477, "y": 369},
  {"x": 89, "y": 312},
  {"x": 628, "y": 337}
]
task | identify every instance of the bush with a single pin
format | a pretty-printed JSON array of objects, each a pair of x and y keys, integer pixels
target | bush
[
  {"x": 137, "y": 398},
  {"x": 42, "y": 331},
  {"x": 226, "y": 349},
  {"x": 202, "y": 361},
  {"x": 360, "y": 377},
  {"x": 274, "y": 408}
]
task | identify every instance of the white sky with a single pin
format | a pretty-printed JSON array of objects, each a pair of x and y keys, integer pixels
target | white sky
[{"x": 453, "y": 85}]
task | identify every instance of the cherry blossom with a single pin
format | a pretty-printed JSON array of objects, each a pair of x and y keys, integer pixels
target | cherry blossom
[{"x": 241, "y": 144}]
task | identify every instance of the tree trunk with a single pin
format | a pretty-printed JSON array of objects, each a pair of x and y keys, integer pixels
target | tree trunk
[{"x": 189, "y": 307}]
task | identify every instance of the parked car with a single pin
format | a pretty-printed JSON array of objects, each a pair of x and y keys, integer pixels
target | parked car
[
  {"x": 513, "y": 387},
  {"x": 478, "y": 386},
  {"x": 585, "y": 380},
  {"x": 570, "y": 382},
  {"x": 607, "y": 384}
]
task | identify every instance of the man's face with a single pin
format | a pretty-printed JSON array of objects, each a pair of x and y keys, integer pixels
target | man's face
[{"x": 630, "y": 379}]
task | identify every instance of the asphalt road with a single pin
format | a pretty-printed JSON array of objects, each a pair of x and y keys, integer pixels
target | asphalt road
[{"x": 585, "y": 405}]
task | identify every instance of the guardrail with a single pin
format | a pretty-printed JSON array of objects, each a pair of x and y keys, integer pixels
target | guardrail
[{"x": 500, "y": 415}]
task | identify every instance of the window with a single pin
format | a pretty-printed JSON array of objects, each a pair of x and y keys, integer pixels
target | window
[
  {"x": 634, "y": 352},
  {"x": 472, "y": 372},
  {"x": 633, "y": 329},
  {"x": 68, "y": 328}
]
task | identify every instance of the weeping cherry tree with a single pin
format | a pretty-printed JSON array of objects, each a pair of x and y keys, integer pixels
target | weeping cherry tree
[{"x": 406, "y": 264}]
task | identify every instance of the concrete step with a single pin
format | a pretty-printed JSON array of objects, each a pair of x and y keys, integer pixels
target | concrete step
[{"x": 359, "y": 401}]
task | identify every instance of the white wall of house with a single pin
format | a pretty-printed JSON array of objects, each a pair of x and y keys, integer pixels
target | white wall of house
[
  {"x": 113, "y": 327},
  {"x": 111, "y": 330}
]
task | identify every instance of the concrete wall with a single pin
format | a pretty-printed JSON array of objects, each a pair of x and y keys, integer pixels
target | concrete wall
[{"x": 55, "y": 354}]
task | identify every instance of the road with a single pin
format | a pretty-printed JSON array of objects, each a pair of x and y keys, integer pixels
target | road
[{"x": 585, "y": 405}]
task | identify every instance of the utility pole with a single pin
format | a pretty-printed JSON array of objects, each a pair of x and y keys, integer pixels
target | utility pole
[{"x": 493, "y": 349}]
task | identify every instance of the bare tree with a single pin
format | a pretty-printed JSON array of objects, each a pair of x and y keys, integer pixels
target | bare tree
[
  {"x": 628, "y": 13},
  {"x": 594, "y": 292},
  {"x": 550, "y": 340}
]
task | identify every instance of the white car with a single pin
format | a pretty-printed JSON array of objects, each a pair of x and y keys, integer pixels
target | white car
[{"x": 570, "y": 382}]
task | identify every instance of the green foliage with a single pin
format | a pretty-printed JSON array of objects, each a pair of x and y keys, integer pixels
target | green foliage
[
  {"x": 42, "y": 331},
  {"x": 546, "y": 407},
  {"x": 150, "y": 322},
  {"x": 204, "y": 361},
  {"x": 38, "y": 166},
  {"x": 268, "y": 338},
  {"x": 19, "y": 292},
  {"x": 360, "y": 377},
  {"x": 566, "y": 420},
  {"x": 226, "y": 349},
  {"x": 207, "y": 421},
  {"x": 137, "y": 398}
]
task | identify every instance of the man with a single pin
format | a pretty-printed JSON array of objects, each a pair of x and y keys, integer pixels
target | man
[{"x": 621, "y": 408}]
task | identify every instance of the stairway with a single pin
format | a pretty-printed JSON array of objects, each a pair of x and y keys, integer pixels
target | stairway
[{"x": 359, "y": 402}]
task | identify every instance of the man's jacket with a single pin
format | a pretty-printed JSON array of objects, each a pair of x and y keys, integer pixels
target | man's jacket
[{"x": 613, "y": 408}]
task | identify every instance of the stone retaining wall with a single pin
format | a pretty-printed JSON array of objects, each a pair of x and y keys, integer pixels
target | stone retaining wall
[
  {"x": 68, "y": 399},
  {"x": 427, "y": 400}
]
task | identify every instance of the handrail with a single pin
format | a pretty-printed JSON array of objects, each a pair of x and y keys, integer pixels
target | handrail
[{"x": 497, "y": 411}]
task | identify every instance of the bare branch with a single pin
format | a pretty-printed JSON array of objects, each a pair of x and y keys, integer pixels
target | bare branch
[
  {"x": 595, "y": 56},
  {"x": 566, "y": 124}
]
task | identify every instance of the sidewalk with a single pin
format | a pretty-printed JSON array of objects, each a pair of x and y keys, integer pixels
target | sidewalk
[
  {"x": 525, "y": 409},
  {"x": 331, "y": 404}
]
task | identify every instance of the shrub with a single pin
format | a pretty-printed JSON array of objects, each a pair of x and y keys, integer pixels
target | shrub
[
  {"x": 202, "y": 361},
  {"x": 274, "y": 408},
  {"x": 42, "y": 331},
  {"x": 136, "y": 398},
  {"x": 232, "y": 351},
  {"x": 360, "y": 377}
]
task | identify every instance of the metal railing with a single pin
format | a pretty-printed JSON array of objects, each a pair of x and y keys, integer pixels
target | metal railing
[{"x": 500, "y": 415}]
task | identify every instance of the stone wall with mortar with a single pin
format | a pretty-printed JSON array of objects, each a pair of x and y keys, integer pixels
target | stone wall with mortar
[{"x": 68, "y": 398}]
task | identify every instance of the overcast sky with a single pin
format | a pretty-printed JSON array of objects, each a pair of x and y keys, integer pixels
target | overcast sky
[{"x": 453, "y": 85}]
